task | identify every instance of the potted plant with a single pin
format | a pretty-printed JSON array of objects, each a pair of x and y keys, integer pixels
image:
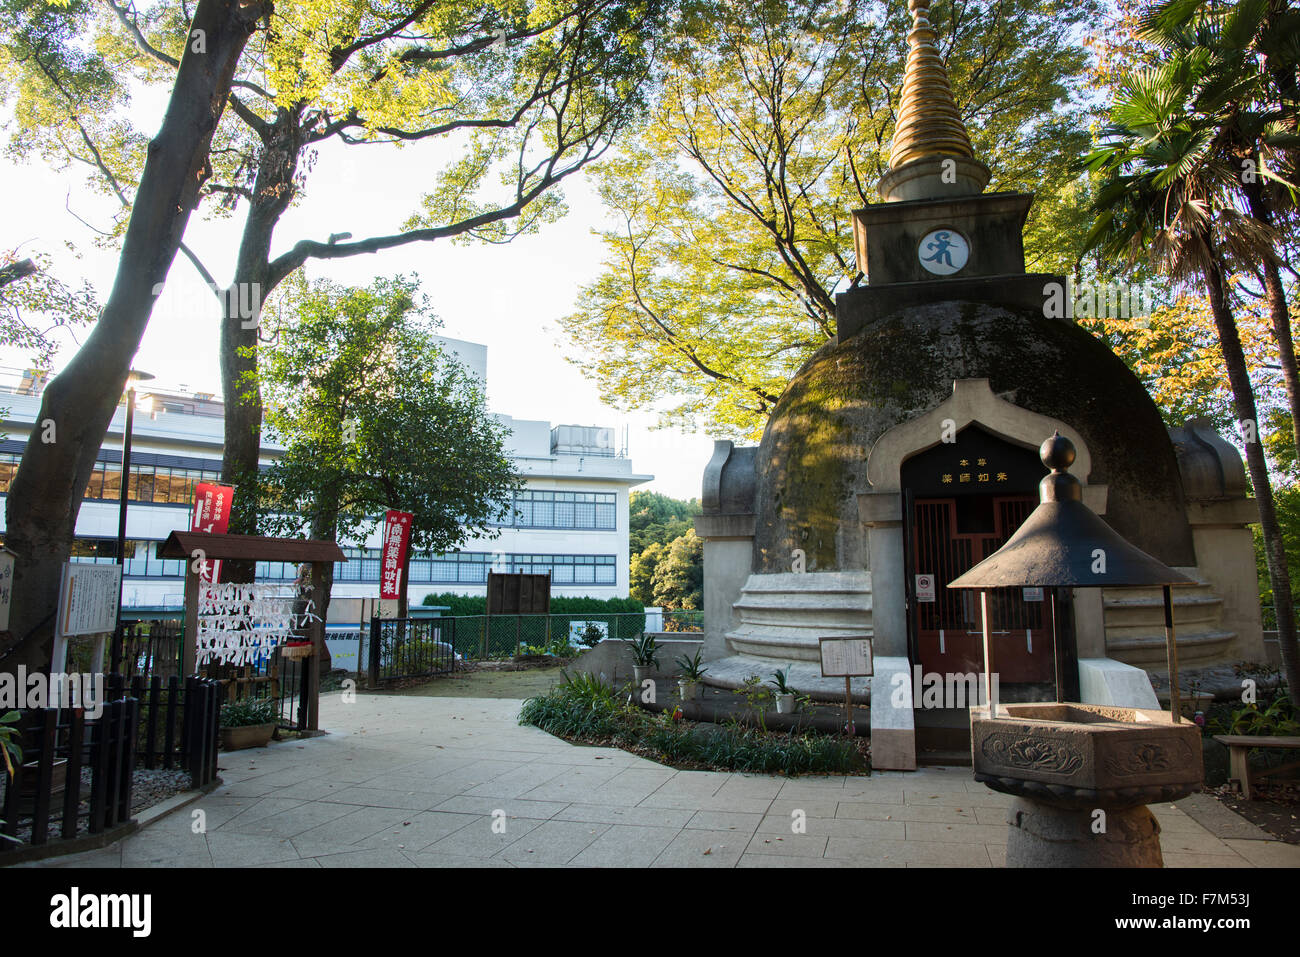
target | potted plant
[
  {"x": 645, "y": 655},
  {"x": 785, "y": 703},
  {"x": 247, "y": 724},
  {"x": 692, "y": 671}
]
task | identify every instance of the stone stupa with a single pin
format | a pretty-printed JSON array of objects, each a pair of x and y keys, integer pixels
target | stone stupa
[{"x": 903, "y": 452}]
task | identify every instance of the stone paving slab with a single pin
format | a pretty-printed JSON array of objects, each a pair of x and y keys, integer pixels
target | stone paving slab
[{"x": 456, "y": 782}]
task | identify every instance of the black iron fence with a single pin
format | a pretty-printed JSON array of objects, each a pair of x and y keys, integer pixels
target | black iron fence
[
  {"x": 408, "y": 648},
  {"x": 76, "y": 773},
  {"x": 285, "y": 680},
  {"x": 150, "y": 648},
  {"x": 177, "y": 718}
]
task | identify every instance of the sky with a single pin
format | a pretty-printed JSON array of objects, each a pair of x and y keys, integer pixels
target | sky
[{"x": 507, "y": 297}]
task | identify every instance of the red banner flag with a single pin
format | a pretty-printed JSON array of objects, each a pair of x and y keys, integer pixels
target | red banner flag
[
  {"x": 211, "y": 514},
  {"x": 397, "y": 536}
]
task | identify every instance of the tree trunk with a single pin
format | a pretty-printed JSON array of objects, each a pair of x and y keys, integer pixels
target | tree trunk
[
  {"x": 273, "y": 190},
  {"x": 324, "y": 527},
  {"x": 1279, "y": 317},
  {"x": 1243, "y": 397},
  {"x": 78, "y": 405}
]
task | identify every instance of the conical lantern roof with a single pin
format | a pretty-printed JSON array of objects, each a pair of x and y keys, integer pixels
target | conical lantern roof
[{"x": 1065, "y": 544}]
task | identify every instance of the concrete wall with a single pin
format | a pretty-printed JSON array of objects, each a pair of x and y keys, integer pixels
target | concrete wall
[
  {"x": 726, "y": 567},
  {"x": 1225, "y": 554},
  {"x": 613, "y": 659}
]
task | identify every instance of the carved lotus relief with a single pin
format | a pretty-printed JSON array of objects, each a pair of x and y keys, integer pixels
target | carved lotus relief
[
  {"x": 1032, "y": 753},
  {"x": 1147, "y": 758}
]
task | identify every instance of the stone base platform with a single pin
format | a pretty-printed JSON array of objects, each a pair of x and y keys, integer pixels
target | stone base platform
[{"x": 804, "y": 676}]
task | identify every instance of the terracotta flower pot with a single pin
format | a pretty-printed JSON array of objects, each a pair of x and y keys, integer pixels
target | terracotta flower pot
[{"x": 249, "y": 736}]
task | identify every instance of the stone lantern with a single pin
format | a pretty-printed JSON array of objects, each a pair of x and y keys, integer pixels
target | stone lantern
[{"x": 1082, "y": 774}]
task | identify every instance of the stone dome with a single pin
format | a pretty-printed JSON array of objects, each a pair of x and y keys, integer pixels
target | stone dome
[{"x": 812, "y": 461}]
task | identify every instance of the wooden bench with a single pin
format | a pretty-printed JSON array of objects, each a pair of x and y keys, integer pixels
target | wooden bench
[{"x": 1239, "y": 747}]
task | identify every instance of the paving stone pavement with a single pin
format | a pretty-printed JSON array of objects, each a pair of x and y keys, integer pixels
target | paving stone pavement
[{"x": 456, "y": 782}]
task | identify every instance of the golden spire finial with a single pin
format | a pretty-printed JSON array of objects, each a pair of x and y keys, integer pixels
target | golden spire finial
[{"x": 928, "y": 121}]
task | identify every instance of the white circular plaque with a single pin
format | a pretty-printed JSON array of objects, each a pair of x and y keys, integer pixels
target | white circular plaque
[{"x": 943, "y": 251}]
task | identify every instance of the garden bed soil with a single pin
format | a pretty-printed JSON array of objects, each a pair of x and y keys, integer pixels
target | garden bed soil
[
  {"x": 149, "y": 787},
  {"x": 1275, "y": 808}
]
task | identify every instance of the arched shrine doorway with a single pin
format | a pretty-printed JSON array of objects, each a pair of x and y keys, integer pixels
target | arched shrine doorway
[{"x": 961, "y": 501}]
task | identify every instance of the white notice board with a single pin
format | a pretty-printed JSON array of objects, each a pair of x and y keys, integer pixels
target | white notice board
[
  {"x": 88, "y": 598},
  {"x": 845, "y": 657}
]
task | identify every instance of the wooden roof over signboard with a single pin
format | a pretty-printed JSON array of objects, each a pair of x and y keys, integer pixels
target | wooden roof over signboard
[{"x": 250, "y": 547}]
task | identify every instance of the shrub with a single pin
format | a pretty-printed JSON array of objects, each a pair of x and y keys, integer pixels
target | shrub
[
  {"x": 586, "y": 709},
  {"x": 250, "y": 711}
]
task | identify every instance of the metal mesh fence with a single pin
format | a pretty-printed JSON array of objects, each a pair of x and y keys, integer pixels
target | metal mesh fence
[{"x": 504, "y": 636}]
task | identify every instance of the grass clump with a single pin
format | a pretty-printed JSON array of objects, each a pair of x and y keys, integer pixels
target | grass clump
[{"x": 585, "y": 709}]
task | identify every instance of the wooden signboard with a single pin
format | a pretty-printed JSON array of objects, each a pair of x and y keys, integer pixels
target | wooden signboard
[
  {"x": 518, "y": 594},
  {"x": 846, "y": 658}
]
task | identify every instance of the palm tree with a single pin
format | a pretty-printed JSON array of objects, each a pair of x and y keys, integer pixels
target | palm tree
[
  {"x": 1169, "y": 191},
  {"x": 1248, "y": 87}
]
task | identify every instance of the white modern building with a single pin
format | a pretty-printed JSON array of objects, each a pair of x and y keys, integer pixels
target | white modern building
[{"x": 571, "y": 520}]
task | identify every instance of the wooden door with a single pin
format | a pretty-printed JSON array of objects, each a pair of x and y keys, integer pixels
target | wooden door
[{"x": 948, "y": 537}]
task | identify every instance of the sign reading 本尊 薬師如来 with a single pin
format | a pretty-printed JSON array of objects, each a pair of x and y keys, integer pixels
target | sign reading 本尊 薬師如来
[{"x": 845, "y": 657}]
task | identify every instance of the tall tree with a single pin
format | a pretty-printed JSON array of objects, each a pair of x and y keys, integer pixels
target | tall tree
[
  {"x": 733, "y": 204},
  {"x": 1168, "y": 191},
  {"x": 373, "y": 415},
  {"x": 524, "y": 92},
  {"x": 77, "y": 406}
]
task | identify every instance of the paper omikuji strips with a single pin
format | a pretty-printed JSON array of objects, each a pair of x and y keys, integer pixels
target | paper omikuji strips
[{"x": 242, "y": 623}]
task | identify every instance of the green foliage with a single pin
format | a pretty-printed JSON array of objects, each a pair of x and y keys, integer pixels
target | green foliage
[
  {"x": 667, "y": 565},
  {"x": 655, "y": 517},
  {"x": 35, "y": 303},
  {"x": 692, "y": 669},
  {"x": 588, "y": 688},
  {"x": 585, "y": 709},
  {"x": 778, "y": 681},
  {"x": 734, "y": 201},
  {"x": 645, "y": 651},
  {"x": 558, "y": 647},
  {"x": 248, "y": 712},
  {"x": 678, "y": 579},
  {"x": 10, "y": 748},
  {"x": 1277, "y": 718},
  {"x": 756, "y": 695},
  {"x": 591, "y": 636},
  {"x": 374, "y": 416}
]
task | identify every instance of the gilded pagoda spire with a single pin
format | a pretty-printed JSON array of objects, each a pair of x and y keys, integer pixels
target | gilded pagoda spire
[
  {"x": 930, "y": 136},
  {"x": 928, "y": 121}
]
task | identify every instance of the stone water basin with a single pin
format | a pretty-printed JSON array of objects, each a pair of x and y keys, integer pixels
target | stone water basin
[{"x": 1084, "y": 756}]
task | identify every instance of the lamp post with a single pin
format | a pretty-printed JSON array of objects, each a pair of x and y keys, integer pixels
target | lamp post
[{"x": 132, "y": 377}]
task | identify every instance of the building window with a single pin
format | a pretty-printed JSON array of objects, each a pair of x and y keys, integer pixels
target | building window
[
  {"x": 148, "y": 483},
  {"x": 590, "y": 510}
]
